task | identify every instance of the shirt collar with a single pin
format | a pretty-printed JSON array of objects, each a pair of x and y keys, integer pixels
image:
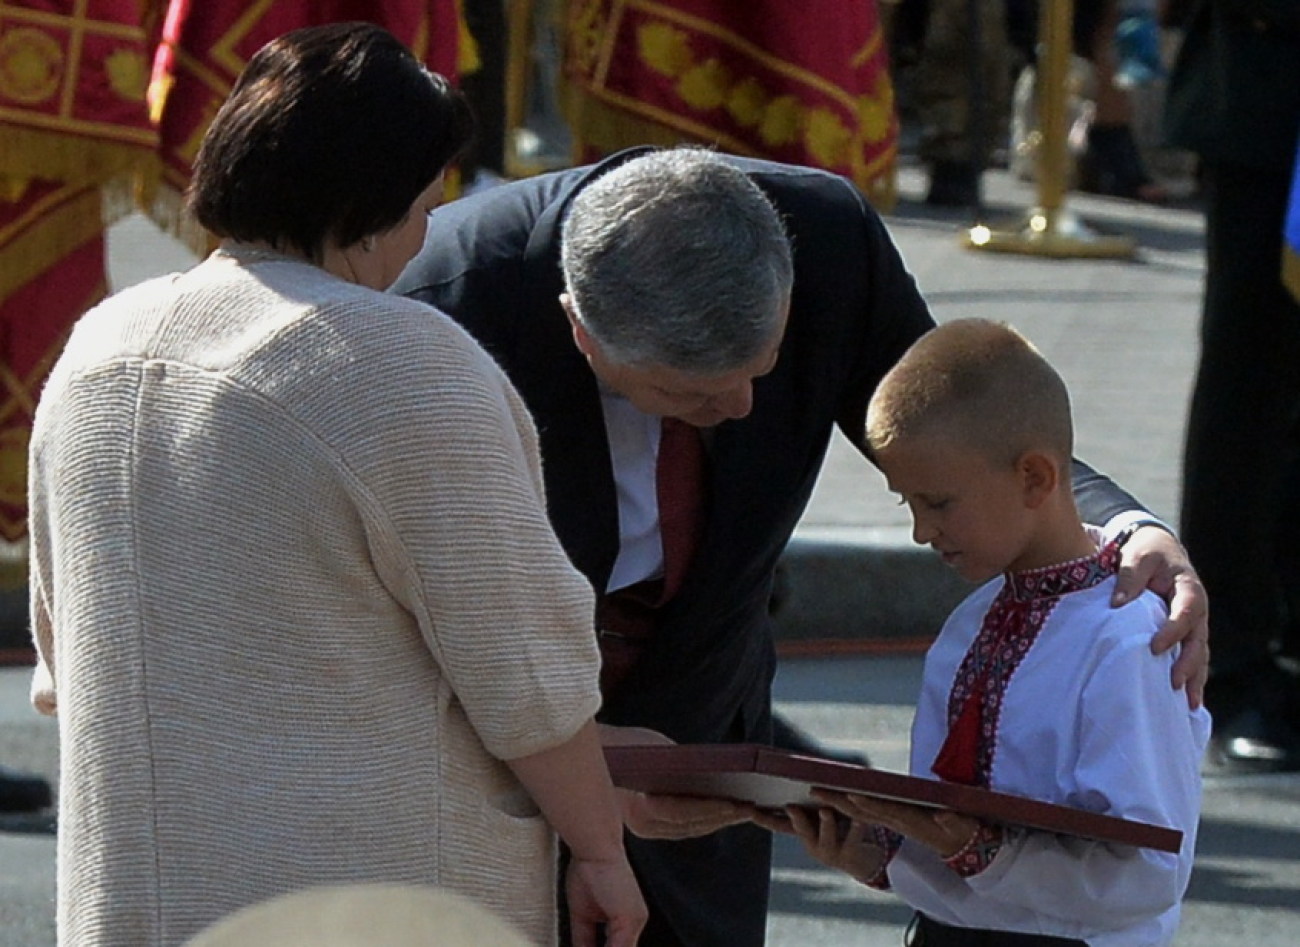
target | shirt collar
[{"x": 1064, "y": 577}]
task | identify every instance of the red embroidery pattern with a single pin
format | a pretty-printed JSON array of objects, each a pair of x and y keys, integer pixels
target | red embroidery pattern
[
  {"x": 1009, "y": 629},
  {"x": 890, "y": 842},
  {"x": 978, "y": 853}
]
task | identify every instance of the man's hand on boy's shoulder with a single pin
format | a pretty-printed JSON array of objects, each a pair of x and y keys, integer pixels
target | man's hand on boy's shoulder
[{"x": 1152, "y": 558}]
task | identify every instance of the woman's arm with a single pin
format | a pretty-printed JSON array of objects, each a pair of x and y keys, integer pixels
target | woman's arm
[{"x": 571, "y": 785}]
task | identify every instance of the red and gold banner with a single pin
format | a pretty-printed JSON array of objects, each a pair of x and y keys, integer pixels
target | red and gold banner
[
  {"x": 73, "y": 76},
  {"x": 805, "y": 83},
  {"x": 76, "y": 125},
  {"x": 73, "y": 126},
  {"x": 52, "y": 248},
  {"x": 81, "y": 145},
  {"x": 208, "y": 45}
]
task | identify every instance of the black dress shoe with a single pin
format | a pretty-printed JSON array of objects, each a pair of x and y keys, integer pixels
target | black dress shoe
[
  {"x": 23, "y": 792},
  {"x": 1254, "y": 741}
]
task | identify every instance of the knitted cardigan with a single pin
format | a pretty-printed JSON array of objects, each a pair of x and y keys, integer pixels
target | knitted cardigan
[{"x": 295, "y": 598}]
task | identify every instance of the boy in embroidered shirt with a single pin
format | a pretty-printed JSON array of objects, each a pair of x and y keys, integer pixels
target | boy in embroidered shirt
[{"x": 1035, "y": 686}]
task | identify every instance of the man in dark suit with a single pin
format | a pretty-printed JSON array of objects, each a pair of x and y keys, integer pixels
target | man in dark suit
[
  {"x": 1234, "y": 100},
  {"x": 761, "y": 303}
]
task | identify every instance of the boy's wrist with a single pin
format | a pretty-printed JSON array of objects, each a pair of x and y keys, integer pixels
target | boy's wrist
[
  {"x": 887, "y": 842},
  {"x": 978, "y": 852}
]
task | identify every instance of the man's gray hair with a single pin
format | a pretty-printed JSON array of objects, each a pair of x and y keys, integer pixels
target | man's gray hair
[{"x": 677, "y": 259}]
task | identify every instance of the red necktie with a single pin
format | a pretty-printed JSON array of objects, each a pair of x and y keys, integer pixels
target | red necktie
[{"x": 679, "y": 485}]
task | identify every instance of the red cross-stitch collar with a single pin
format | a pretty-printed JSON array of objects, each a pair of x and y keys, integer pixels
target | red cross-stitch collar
[{"x": 1009, "y": 629}]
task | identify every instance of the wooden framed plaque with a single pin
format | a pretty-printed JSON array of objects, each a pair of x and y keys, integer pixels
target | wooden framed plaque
[{"x": 773, "y": 778}]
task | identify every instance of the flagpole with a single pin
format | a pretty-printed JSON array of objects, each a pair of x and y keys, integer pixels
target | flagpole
[{"x": 1050, "y": 228}]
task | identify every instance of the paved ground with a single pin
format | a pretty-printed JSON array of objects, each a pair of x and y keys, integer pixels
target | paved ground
[{"x": 1123, "y": 334}]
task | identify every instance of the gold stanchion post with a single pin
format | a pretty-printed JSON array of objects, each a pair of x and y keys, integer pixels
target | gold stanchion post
[
  {"x": 1050, "y": 228},
  {"x": 519, "y": 44}
]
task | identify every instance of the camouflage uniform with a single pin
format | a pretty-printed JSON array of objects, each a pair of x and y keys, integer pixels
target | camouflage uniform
[{"x": 943, "y": 81}]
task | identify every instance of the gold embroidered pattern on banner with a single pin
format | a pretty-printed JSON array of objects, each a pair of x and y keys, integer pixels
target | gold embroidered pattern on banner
[
  {"x": 852, "y": 132},
  {"x": 31, "y": 66}
]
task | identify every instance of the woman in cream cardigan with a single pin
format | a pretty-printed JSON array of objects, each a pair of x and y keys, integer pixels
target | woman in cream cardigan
[{"x": 296, "y": 601}]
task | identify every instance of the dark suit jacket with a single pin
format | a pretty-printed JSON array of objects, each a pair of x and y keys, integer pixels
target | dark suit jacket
[{"x": 491, "y": 261}]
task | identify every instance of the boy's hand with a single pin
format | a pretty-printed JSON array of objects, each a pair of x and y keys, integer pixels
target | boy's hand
[
  {"x": 1153, "y": 559},
  {"x": 943, "y": 830},
  {"x": 836, "y": 842}
]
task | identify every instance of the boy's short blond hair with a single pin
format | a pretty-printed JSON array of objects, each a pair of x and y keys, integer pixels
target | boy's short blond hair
[{"x": 980, "y": 383}]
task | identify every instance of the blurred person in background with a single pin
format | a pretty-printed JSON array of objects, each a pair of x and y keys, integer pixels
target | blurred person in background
[{"x": 1234, "y": 100}]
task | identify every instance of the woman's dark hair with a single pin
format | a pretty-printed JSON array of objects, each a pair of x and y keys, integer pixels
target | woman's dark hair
[{"x": 330, "y": 133}]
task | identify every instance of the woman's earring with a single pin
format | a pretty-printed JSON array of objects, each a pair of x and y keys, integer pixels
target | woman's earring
[{"x": 367, "y": 243}]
